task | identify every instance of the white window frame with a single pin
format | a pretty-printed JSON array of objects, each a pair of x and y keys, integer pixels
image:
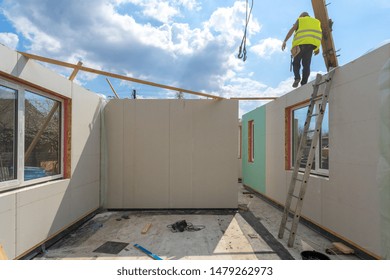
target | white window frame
[
  {"x": 20, "y": 149},
  {"x": 317, "y": 170}
]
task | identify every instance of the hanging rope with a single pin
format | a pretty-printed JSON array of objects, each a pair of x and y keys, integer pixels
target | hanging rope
[{"x": 242, "y": 50}]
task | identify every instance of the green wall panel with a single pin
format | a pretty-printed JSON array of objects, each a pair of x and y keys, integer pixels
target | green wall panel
[{"x": 253, "y": 173}]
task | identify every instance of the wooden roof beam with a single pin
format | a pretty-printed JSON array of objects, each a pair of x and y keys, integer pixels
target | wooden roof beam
[
  {"x": 254, "y": 98},
  {"x": 75, "y": 71},
  {"x": 113, "y": 75}
]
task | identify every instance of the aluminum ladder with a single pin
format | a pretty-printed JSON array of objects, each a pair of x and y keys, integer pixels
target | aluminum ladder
[{"x": 300, "y": 158}]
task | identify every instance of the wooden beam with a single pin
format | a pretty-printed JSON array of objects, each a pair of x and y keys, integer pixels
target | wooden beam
[
  {"x": 253, "y": 98},
  {"x": 146, "y": 228},
  {"x": 328, "y": 48},
  {"x": 36, "y": 138},
  {"x": 112, "y": 88},
  {"x": 3, "y": 255},
  {"x": 113, "y": 75},
  {"x": 75, "y": 71}
]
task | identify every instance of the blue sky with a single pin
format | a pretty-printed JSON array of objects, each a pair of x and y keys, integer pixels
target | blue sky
[{"x": 184, "y": 43}]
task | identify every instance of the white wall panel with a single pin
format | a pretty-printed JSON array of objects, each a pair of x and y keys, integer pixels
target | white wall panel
[
  {"x": 178, "y": 154},
  {"x": 347, "y": 202},
  {"x": 152, "y": 154},
  {"x": 8, "y": 224}
]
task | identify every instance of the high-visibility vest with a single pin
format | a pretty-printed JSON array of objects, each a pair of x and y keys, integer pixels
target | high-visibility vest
[{"x": 309, "y": 32}]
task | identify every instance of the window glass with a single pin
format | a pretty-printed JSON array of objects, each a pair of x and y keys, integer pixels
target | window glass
[
  {"x": 321, "y": 158},
  {"x": 8, "y": 132},
  {"x": 324, "y": 142},
  {"x": 42, "y": 155},
  {"x": 299, "y": 118}
]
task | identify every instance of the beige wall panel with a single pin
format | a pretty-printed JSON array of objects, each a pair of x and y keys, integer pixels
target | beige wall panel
[
  {"x": 36, "y": 73},
  {"x": 152, "y": 154},
  {"x": 181, "y": 152},
  {"x": 86, "y": 108},
  {"x": 214, "y": 155},
  {"x": 41, "y": 212},
  {"x": 359, "y": 94},
  {"x": 275, "y": 174},
  {"x": 347, "y": 202},
  {"x": 8, "y": 60},
  {"x": 84, "y": 200},
  {"x": 353, "y": 188},
  {"x": 355, "y": 146},
  {"x": 32, "y": 194},
  {"x": 299, "y": 95},
  {"x": 129, "y": 148},
  {"x": 86, "y": 170},
  {"x": 176, "y": 153},
  {"x": 114, "y": 137},
  {"x": 363, "y": 66},
  {"x": 312, "y": 207},
  {"x": 8, "y": 224},
  {"x": 239, "y": 168}
]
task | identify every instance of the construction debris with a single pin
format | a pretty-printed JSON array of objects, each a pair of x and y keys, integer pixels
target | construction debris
[
  {"x": 146, "y": 228},
  {"x": 339, "y": 248},
  {"x": 253, "y": 235},
  {"x": 3, "y": 255},
  {"x": 243, "y": 207}
]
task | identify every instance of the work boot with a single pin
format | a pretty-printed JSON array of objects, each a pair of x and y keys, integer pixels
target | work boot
[{"x": 296, "y": 83}]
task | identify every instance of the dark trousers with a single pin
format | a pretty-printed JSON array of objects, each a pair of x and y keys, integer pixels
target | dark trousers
[{"x": 303, "y": 57}]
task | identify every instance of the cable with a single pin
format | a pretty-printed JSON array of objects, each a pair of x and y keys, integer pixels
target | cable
[
  {"x": 181, "y": 226},
  {"x": 191, "y": 227},
  {"x": 242, "y": 49}
]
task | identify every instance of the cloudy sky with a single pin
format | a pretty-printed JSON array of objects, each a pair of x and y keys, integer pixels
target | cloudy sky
[{"x": 192, "y": 44}]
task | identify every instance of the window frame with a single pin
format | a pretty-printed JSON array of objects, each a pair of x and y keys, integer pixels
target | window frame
[
  {"x": 4, "y": 185},
  {"x": 19, "y": 182},
  {"x": 240, "y": 141},
  {"x": 251, "y": 142},
  {"x": 317, "y": 171}
]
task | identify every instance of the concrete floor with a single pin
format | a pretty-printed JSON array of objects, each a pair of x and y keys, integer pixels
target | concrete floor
[{"x": 228, "y": 235}]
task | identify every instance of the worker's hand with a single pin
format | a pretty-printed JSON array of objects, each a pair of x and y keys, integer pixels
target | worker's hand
[
  {"x": 316, "y": 52},
  {"x": 283, "y": 45}
]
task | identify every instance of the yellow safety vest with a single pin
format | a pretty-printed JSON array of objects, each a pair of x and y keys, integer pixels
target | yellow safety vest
[{"x": 309, "y": 32}]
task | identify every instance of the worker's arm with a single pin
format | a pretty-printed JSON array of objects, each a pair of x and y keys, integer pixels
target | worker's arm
[{"x": 290, "y": 32}]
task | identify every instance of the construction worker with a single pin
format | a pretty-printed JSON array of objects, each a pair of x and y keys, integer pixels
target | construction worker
[{"x": 307, "y": 39}]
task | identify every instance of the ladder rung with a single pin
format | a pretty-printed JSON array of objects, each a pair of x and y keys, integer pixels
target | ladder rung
[
  {"x": 313, "y": 115},
  {"x": 287, "y": 229},
  {"x": 293, "y": 195},
  {"x": 324, "y": 82},
  {"x": 312, "y": 130},
  {"x": 315, "y": 96},
  {"x": 319, "y": 97}
]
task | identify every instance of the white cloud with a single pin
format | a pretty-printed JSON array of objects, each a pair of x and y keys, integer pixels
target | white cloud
[
  {"x": 191, "y": 5},
  {"x": 229, "y": 22},
  {"x": 106, "y": 36},
  {"x": 265, "y": 48},
  {"x": 162, "y": 10},
  {"x": 10, "y": 40}
]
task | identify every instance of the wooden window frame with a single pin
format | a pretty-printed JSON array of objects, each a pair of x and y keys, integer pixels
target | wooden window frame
[{"x": 251, "y": 139}]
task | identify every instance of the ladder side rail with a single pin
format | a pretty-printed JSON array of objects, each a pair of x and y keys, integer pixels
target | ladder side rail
[
  {"x": 306, "y": 176},
  {"x": 298, "y": 157}
]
